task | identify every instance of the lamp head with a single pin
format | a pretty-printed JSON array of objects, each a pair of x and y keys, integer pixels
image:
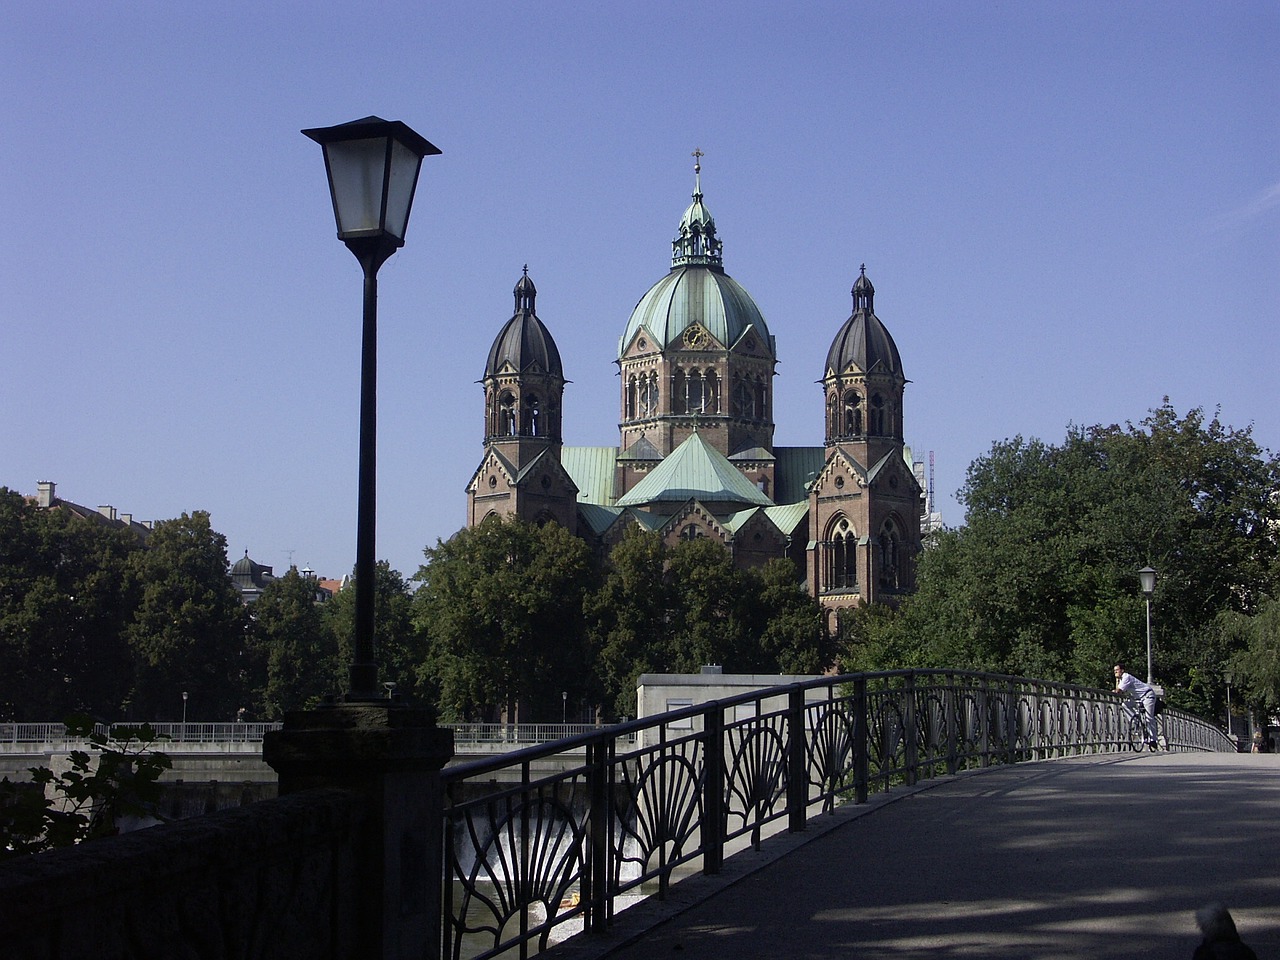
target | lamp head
[
  {"x": 1147, "y": 577},
  {"x": 373, "y": 167}
]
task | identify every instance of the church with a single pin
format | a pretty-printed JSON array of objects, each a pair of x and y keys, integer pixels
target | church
[{"x": 696, "y": 455}]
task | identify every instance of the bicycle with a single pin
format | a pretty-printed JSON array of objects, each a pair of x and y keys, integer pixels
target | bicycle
[{"x": 1137, "y": 728}]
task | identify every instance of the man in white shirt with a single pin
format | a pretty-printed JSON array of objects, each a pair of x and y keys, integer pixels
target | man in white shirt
[{"x": 1141, "y": 693}]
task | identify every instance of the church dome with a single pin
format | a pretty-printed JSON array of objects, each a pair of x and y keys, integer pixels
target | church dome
[
  {"x": 524, "y": 344},
  {"x": 863, "y": 342},
  {"x": 697, "y": 290}
]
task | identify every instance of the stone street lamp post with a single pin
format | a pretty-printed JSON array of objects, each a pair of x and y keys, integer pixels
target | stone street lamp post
[
  {"x": 373, "y": 169},
  {"x": 1148, "y": 578},
  {"x": 385, "y": 754}
]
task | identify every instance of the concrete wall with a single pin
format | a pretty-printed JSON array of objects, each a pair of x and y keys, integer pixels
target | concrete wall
[{"x": 663, "y": 692}]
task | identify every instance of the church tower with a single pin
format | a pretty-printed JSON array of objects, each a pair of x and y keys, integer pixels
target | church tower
[
  {"x": 696, "y": 357},
  {"x": 521, "y": 473},
  {"x": 864, "y": 507}
]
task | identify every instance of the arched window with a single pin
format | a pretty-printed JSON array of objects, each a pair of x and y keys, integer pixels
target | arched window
[
  {"x": 744, "y": 401},
  {"x": 532, "y": 416},
  {"x": 762, "y": 409},
  {"x": 833, "y": 419},
  {"x": 890, "y": 556},
  {"x": 877, "y": 415},
  {"x": 711, "y": 393},
  {"x": 630, "y": 405},
  {"x": 840, "y": 571},
  {"x": 696, "y": 393},
  {"x": 852, "y": 414},
  {"x": 678, "y": 399},
  {"x": 649, "y": 395},
  {"x": 507, "y": 425},
  {"x": 691, "y": 531}
]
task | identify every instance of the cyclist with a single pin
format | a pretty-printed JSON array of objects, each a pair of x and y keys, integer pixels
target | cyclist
[{"x": 1142, "y": 694}]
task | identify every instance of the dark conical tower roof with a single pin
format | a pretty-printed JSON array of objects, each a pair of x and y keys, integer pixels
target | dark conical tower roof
[
  {"x": 524, "y": 344},
  {"x": 863, "y": 343}
]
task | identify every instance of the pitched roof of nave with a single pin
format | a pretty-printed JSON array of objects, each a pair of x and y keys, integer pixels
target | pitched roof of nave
[
  {"x": 695, "y": 470},
  {"x": 697, "y": 290}
]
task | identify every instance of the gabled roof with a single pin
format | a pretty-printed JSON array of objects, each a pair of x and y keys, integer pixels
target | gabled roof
[
  {"x": 598, "y": 518},
  {"x": 642, "y": 449},
  {"x": 546, "y": 461},
  {"x": 788, "y": 516},
  {"x": 695, "y": 471}
]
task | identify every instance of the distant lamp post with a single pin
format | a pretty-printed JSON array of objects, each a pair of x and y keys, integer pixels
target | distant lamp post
[
  {"x": 564, "y": 707},
  {"x": 373, "y": 167},
  {"x": 184, "y": 714},
  {"x": 1228, "y": 677},
  {"x": 1147, "y": 576}
]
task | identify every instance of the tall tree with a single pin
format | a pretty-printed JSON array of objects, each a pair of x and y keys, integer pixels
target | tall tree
[
  {"x": 1042, "y": 580},
  {"x": 63, "y": 611},
  {"x": 295, "y": 645},
  {"x": 502, "y": 604},
  {"x": 188, "y": 627},
  {"x": 673, "y": 610},
  {"x": 1256, "y": 662},
  {"x": 630, "y": 617},
  {"x": 399, "y": 647}
]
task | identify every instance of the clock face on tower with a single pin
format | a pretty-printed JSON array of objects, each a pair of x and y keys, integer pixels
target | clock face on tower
[{"x": 695, "y": 338}]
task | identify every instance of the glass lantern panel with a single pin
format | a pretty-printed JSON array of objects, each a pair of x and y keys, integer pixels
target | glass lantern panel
[
  {"x": 356, "y": 169},
  {"x": 404, "y": 174}
]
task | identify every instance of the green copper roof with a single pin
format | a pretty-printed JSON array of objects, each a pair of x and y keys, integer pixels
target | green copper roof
[
  {"x": 794, "y": 470},
  {"x": 592, "y": 470},
  {"x": 787, "y": 517},
  {"x": 695, "y": 471}
]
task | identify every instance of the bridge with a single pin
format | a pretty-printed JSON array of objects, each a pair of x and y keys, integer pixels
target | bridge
[
  {"x": 792, "y": 792},
  {"x": 1101, "y": 856}
]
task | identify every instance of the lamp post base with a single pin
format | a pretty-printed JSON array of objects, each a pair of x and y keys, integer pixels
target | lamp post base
[{"x": 391, "y": 756}]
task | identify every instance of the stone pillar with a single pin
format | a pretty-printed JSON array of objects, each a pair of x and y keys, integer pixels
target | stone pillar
[{"x": 391, "y": 755}]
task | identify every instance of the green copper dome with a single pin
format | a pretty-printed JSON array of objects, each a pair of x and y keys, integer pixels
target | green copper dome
[{"x": 696, "y": 291}]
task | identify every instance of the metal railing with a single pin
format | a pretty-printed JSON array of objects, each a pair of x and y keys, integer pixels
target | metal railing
[{"x": 531, "y": 857}]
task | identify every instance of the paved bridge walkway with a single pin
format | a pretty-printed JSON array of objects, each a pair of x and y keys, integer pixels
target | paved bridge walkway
[{"x": 1099, "y": 857}]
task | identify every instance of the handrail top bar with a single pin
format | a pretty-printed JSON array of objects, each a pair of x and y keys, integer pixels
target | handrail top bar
[{"x": 617, "y": 731}]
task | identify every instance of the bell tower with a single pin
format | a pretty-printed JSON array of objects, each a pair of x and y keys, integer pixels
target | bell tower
[
  {"x": 521, "y": 474},
  {"x": 864, "y": 507}
]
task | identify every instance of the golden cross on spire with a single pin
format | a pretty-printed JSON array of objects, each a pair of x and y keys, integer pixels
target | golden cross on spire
[{"x": 697, "y": 159}]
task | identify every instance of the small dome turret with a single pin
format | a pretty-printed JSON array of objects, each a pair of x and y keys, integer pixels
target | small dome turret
[
  {"x": 524, "y": 344},
  {"x": 863, "y": 343}
]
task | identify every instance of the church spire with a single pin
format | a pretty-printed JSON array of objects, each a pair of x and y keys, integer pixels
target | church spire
[
  {"x": 863, "y": 293},
  {"x": 697, "y": 242},
  {"x": 525, "y": 293}
]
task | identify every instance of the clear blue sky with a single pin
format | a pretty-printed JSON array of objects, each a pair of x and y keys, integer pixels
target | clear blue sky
[{"x": 1069, "y": 210}]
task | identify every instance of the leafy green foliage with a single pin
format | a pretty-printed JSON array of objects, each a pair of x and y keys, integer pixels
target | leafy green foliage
[
  {"x": 188, "y": 626},
  {"x": 63, "y": 611},
  {"x": 293, "y": 644},
  {"x": 673, "y": 610},
  {"x": 399, "y": 647},
  {"x": 1256, "y": 664},
  {"x": 502, "y": 604},
  {"x": 1042, "y": 581},
  {"x": 91, "y": 798}
]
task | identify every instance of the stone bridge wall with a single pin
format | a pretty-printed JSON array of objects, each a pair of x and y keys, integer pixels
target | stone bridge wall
[{"x": 272, "y": 880}]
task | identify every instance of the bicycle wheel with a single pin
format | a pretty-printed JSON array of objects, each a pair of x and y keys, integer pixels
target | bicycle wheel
[{"x": 1137, "y": 732}]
